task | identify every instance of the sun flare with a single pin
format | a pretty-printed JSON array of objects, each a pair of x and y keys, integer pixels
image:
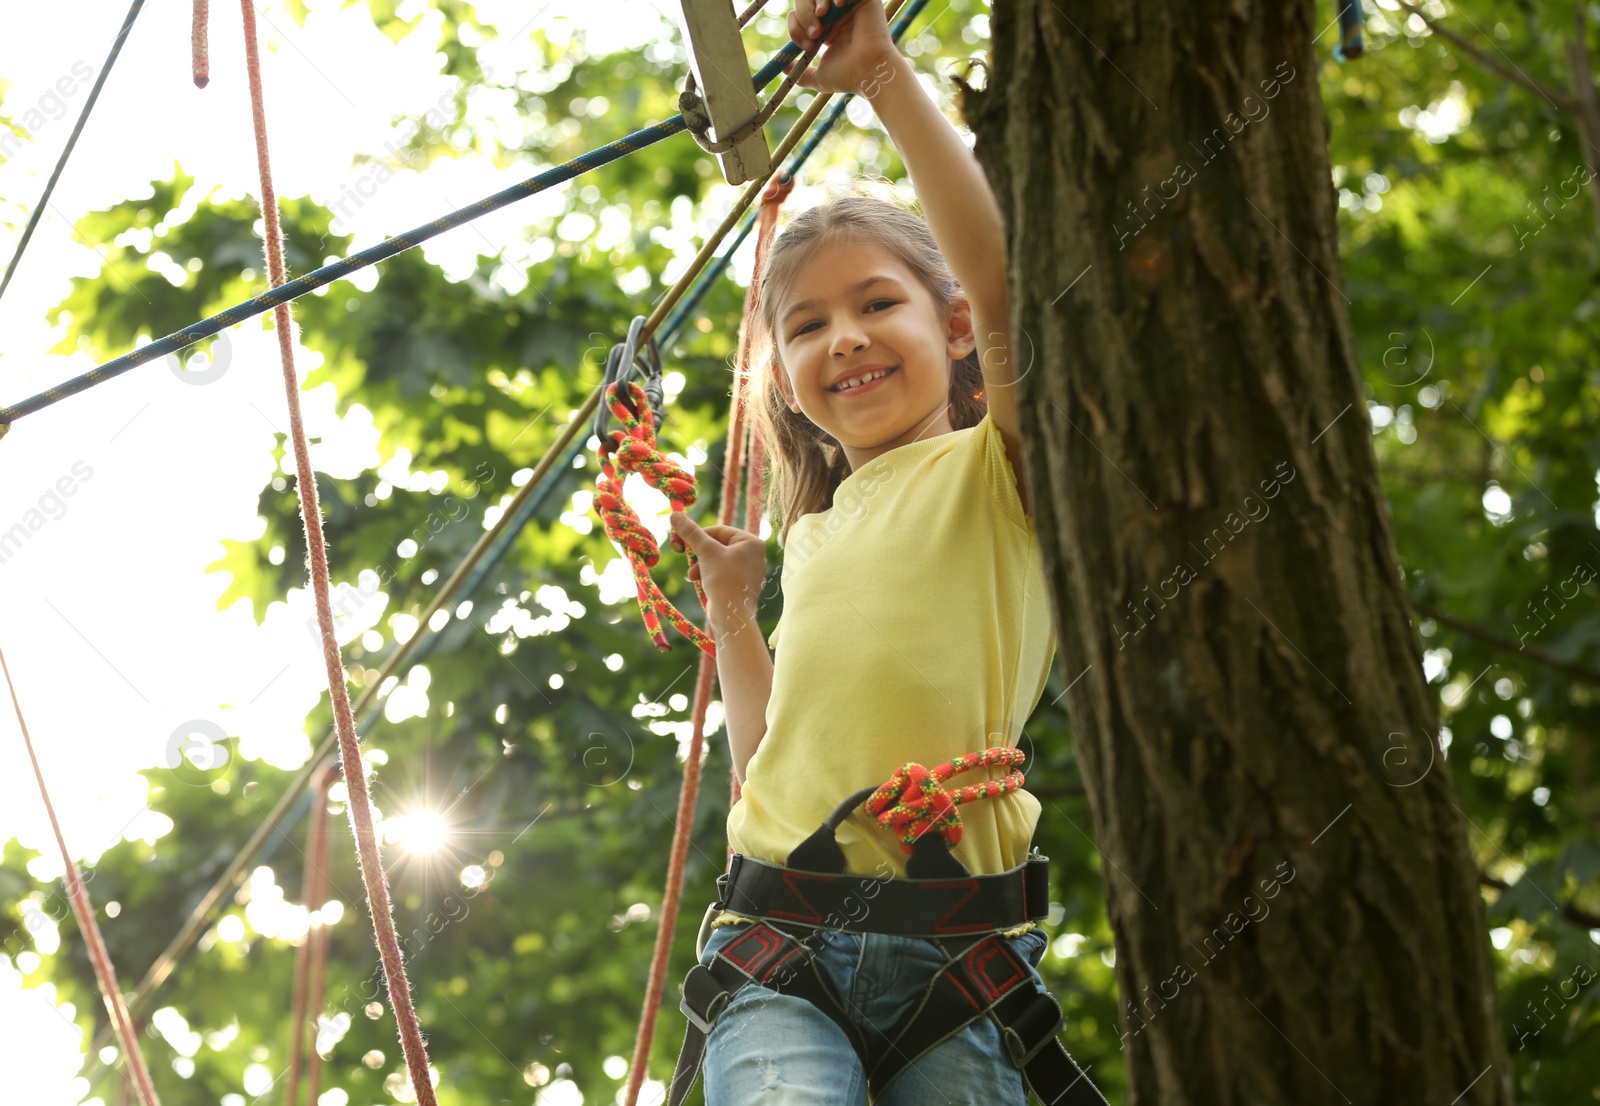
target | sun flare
[{"x": 422, "y": 832}]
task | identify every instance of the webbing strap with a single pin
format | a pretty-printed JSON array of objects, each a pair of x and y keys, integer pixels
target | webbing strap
[
  {"x": 984, "y": 978},
  {"x": 762, "y": 954},
  {"x": 971, "y": 906}
]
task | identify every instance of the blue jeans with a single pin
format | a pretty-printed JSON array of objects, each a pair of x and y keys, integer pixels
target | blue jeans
[{"x": 781, "y": 1049}]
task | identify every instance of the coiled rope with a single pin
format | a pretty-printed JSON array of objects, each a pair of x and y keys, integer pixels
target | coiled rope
[
  {"x": 634, "y": 449},
  {"x": 914, "y": 801}
]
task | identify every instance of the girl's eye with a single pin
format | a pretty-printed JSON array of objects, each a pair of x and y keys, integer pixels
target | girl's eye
[{"x": 807, "y": 327}]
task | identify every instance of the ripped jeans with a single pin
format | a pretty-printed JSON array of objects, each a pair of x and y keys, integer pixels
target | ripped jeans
[{"x": 780, "y": 1049}]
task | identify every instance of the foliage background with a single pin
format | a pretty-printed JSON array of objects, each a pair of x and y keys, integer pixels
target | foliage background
[{"x": 1474, "y": 310}]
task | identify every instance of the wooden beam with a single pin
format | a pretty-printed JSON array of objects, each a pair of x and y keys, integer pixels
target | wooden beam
[{"x": 722, "y": 73}]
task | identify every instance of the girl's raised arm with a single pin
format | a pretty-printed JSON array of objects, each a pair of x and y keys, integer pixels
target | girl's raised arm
[{"x": 956, "y": 200}]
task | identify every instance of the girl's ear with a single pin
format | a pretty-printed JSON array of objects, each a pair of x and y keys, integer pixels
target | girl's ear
[
  {"x": 960, "y": 339},
  {"x": 781, "y": 382}
]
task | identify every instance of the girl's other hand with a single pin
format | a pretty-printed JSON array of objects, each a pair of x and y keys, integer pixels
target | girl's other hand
[
  {"x": 731, "y": 565},
  {"x": 859, "y": 52}
]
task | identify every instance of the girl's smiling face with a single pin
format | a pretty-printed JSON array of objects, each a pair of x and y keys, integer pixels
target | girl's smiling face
[{"x": 853, "y": 310}]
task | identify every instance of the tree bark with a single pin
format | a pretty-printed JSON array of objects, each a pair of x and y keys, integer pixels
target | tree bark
[{"x": 1289, "y": 880}]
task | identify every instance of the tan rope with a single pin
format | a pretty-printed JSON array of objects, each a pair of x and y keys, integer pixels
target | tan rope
[
  {"x": 355, "y": 780},
  {"x": 105, "y": 975}
]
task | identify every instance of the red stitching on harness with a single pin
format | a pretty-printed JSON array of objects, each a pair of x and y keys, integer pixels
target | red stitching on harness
[
  {"x": 789, "y": 878},
  {"x": 955, "y": 982},
  {"x": 942, "y": 926},
  {"x": 977, "y": 961},
  {"x": 767, "y": 942},
  {"x": 771, "y": 942}
]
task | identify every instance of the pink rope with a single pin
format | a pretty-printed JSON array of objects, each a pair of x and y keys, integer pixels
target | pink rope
[
  {"x": 755, "y": 497},
  {"x": 690, "y": 790},
  {"x": 319, "y": 951},
  {"x": 197, "y": 44},
  {"x": 360, "y": 804},
  {"x": 744, "y": 431},
  {"x": 319, "y": 955},
  {"x": 104, "y": 973},
  {"x": 313, "y": 894}
]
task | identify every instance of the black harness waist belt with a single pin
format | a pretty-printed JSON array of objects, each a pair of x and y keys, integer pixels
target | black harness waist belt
[{"x": 901, "y": 907}]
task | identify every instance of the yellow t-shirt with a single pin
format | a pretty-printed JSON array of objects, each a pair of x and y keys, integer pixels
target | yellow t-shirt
[{"x": 916, "y": 627}]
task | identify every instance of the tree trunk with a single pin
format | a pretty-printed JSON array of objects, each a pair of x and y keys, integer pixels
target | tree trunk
[{"x": 1296, "y": 907}]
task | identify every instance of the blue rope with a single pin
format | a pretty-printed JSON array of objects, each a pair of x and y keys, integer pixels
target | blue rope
[
  {"x": 317, "y": 278},
  {"x": 1350, "y": 45},
  {"x": 72, "y": 140}
]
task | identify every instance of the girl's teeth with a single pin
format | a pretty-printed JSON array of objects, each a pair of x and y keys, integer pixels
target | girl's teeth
[{"x": 868, "y": 379}]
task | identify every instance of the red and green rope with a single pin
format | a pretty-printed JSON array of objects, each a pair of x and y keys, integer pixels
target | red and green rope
[{"x": 913, "y": 801}]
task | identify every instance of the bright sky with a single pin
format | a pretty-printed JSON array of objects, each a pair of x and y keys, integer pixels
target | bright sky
[{"x": 111, "y": 629}]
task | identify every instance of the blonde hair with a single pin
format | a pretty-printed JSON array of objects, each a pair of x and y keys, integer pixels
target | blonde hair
[{"x": 805, "y": 464}]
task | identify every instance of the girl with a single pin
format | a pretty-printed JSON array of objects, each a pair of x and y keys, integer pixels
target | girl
[{"x": 916, "y": 630}]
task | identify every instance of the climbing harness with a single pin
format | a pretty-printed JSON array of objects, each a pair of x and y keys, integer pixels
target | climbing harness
[
  {"x": 634, "y": 449},
  {"x": 964, "y": 916}
]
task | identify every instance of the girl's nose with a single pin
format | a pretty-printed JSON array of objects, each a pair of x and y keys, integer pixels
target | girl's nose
[{"x": 848, "y": 342}]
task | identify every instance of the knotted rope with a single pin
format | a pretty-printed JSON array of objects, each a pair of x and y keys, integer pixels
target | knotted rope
[
  {"x": 914, "y": 801},
  {"x": 360, "y": 804},
  {"x": 634, "y": 449}
]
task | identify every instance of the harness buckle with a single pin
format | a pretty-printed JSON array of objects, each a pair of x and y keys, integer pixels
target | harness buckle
[
  {"x": 726, "y": 880},
  {"x": 713, "y": 1009},
  {"x": 1043, "y": 1016}
]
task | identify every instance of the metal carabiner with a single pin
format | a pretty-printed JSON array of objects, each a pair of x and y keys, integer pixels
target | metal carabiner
[{"x": 619, "y": 367}]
